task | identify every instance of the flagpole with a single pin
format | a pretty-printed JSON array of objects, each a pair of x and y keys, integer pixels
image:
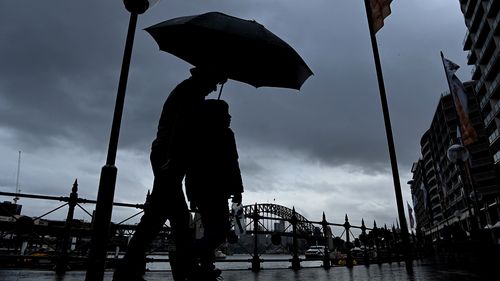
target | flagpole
[{"x": 390, "y": 141}]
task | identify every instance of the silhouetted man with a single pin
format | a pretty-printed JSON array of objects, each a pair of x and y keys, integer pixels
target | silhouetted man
[
  {"x": 212, "y": 177},
  {"x": 170, "y": 153}
]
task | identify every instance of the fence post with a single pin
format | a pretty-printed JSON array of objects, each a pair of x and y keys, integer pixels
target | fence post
[
  {"x": 365, "y": 240},
  {"x": 347, "y": 225},
  {"x": 326, "y": 234},
  {"x": 255, "y": 257},
  {"x": 62, "y": 262},
  {"x": 387, "y": 244},
  {"x": 295, "y": 247},
  {"x": 396, "y": 243},
  {"x": 377, "y": 242}
]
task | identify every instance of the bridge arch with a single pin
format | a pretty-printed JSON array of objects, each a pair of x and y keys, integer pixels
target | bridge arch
[{"x": 303, "y": 224}]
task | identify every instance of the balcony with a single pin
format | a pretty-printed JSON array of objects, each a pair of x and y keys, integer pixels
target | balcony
[
  {"x": 496, "y": 157},
  {"x": 483, "y": 176},
  {"x": 486, "y": 98},
  {"x": 433, "y": 189},
  {"x": 479, "y": 84},
  {"x": 484, "y": 101},
  {"x": 435, "y": 205},
  {"x": 493, "y": 88},
  {"x": 492, "y": 65},
  {"x": 494, "y": 137},
  {"x": 487, "y": 49},
  {"x": 426, "y": 145},
  {"x": 456, "y": 200},
  {"x": 480, "y": 162},
  {"x": 480, "y": 35},
  {"x": 454, "y": 187},
  {"x": 492, "y": 8},
  {"x": 429, "y": 171},
  {"x": 480, "y": 90},
  {"x": 426, "y": 155},
  {"x": 432, "y": 180},
  {"x": 469, "y": 8},
  {"x": 471, "y": 57},
  {"x": 478, "y": 147},
  {"x": 467, "y": 42},
  {"x": 477, "y": 17},
  {"x": 475, "y": 72},
  {"x": 491, "y": 116}
]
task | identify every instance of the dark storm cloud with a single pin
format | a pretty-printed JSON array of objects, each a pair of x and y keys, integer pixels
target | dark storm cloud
[
  {"x": 56, "y": 72},
  {"x": 66, "y": 64},
  {"x": 60, "y": 64}
]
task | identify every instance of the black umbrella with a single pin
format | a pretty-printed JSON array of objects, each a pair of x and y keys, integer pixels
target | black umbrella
[{"x": 244, "y": 50}]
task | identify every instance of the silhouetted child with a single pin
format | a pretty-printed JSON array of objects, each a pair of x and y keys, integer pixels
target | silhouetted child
[{"x": 212, "y": 178}]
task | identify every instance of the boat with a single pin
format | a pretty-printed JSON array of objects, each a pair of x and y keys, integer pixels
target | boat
[{"x": 315, "y": 252}]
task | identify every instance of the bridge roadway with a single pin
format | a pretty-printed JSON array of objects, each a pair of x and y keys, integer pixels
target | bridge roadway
[{"x": 428, "y": 270}]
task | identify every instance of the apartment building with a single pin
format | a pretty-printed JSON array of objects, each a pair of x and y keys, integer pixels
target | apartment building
[{"x": 482, "y": 41}]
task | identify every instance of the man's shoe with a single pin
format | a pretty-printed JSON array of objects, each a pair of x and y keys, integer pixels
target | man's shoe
[
  {"x": 121, "y": 275},
  {"x": 204, "y": 274}
]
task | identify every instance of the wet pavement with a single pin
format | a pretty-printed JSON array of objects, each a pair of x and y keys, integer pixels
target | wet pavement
[{"x": 422, "y": 270}]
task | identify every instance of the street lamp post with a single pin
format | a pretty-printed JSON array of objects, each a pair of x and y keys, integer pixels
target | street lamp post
[
  {"x": 458, "y": 155},
  {"x": 107, "y": 182}
]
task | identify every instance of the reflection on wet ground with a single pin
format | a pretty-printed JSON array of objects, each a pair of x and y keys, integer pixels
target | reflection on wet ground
[{"x": 422, "y": 270}]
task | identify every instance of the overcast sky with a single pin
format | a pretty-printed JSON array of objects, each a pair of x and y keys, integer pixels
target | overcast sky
[{"x": 320, "y": 149}]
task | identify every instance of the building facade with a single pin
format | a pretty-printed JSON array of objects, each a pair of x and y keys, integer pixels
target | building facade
[
  {"x": 443, "y": 192},
  {"x": 482, "y": 41}
]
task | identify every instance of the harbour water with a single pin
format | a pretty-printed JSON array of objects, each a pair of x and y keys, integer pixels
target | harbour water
[
  {"x": 423, "y": 270},
  {"x": 241, "y": 262}
]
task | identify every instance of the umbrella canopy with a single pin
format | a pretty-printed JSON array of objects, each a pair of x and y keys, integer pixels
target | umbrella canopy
[{"x": 244, "y": 50}]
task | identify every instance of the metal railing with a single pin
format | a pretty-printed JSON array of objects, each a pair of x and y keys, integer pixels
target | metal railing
[{"x": 64, "y": 252}]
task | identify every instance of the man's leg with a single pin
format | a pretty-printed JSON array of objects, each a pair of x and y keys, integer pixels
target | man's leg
[
  {"x": 182, "y": 260},
  {"x": 152, "y": 221}
]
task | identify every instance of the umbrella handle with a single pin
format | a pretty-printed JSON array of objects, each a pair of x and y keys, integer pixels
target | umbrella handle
[{"x": 220, "y": 91}]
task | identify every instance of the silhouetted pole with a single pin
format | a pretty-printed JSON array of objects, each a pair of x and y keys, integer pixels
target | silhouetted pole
[
  {"x": 62, "y": 262},
  {"x": 326, "y": 234},
  {"x": 347, "y": 226},
  {"x": 255, "y": 258},
  {"x": 295, "y": 247},
  {"x": 390, "y": 140},
  {"x": 107, "y": 182}
]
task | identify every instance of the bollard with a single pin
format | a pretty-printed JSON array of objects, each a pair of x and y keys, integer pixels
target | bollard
[
  {"x": 255, "y": 257},
  {"x": 62, "y": 261},
  {"x": 326, "y": 234},
  {"x": 295, "y": 249}
]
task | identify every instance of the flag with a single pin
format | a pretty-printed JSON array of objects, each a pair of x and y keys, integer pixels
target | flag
[
  {"x": 415, "y": 200},
  {"x": 424, "y": 194},
  {"x": 380, "y": 9},
  {"x": 410, "y": 213},
  {"x": 460, "y": 98}
]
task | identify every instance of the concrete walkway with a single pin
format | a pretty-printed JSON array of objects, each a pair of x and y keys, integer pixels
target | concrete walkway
[{"x": 422, "y": 271}]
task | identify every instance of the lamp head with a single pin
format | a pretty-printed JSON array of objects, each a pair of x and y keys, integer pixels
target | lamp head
[
  {"x": 457, "y": 153},
  {"x": 138, "y": 6}
]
